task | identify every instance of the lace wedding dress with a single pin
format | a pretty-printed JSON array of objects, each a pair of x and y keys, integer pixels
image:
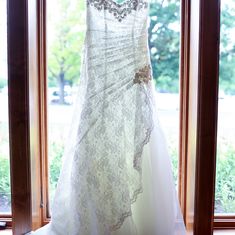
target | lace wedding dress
[{"x": 116, "y": 177}]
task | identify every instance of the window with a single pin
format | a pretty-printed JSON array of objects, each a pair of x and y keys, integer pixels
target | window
[
  {"x": 47, "y": 133},
  {"x": 5, "y": 190},
  {"x": 65, "y": 36},
  {"x": 225, "y": 168}
]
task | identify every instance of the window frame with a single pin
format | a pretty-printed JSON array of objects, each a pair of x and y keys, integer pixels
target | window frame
[
  {"x": 220, "y": 221},
  {"x": 18, "y": 80},
  {"x": 184, "y": 102},
  {"x": 6, "y": 217},
  {"x": 224, "y": 221},
  {"x": 42, "y": 17},
  {"x": 207, "y": 102},
  {"x": 22, "y": 100}
]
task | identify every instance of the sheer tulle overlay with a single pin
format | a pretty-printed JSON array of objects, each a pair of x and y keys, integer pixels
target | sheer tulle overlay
[{"x": 116, "y": 176}]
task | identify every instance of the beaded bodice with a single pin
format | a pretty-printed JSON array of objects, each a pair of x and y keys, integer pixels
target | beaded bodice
[{"x": 119, "y": 10}]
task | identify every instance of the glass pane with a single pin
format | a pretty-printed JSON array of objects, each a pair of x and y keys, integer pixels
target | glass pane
[
  {"x": 66, "y": 30},
  {"x": 225, "y": 173},
  {"x": 65, "y": 35},
  {"x": 164, "y": 45},
  {"x": 5, "y": 196}
]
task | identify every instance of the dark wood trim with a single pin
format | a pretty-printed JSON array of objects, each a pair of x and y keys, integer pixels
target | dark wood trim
[
  {"x": 224, "y": 221},
  {"x": 7, "y": 218},
  {"x": 184, "y": 101},
  {"x": 18, "y": 84},
  {"x": 208, "y": 80}
]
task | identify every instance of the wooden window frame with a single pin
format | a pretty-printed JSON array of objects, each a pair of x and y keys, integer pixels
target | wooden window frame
[
  {"x": 184, "y": 98},
  {"x": 18, "y": 85},
  {"x": 208, "y": 80},
  {"x": 7, "y": 217},
  {"x": 208, "y": 38},
  {"x": 22, "y": 43},
  {"x": 208, "y": 49},
  {"x": 224, "y": 221},
  {"x": 43, "y": 111}
]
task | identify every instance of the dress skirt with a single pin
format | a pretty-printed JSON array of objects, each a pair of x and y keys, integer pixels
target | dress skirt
[{"x": 157, "y": 210}]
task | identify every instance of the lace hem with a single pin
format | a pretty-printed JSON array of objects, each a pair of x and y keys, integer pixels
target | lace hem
[
  {"x": 134, "y": 198},
  {"x": 138, "y": 156}
]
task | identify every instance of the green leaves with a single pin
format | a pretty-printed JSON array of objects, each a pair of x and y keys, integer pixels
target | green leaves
[
  {"x": 56, "y": 153},
  {"x": 65, "y": 38},
  {"x": 225, "y": 178},
  {"x": 164, "y": 38},
  {"x": 227, "y": 49},
  {"x": 4, "y": 176}
]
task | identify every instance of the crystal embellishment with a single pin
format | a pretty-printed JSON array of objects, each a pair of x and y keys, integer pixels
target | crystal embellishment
[
  {"x": 119, "y": 10},
  {"x": 143, "y": 75}
]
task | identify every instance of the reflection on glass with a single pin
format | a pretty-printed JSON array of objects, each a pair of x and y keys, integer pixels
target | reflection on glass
[
  {"x": 225, "y": 173},
  {"x": 5, "y": 196},
  {"x": 66, "y": 31}
]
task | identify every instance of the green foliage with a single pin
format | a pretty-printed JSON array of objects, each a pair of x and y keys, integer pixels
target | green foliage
[
  {"x": 225, "y": 183},
  {"x": 4, "y": 161},
  {"x": 65, "y": 44},
  {"x": 65, "y": 47},
  {"x": 5, "y": 189},
  {"x": 227, "y": 50},
  {"x": 225, "y": 178},
  {"x": 4, "y": 176},
  {"x": 56, "y": 153},
  {"x": 64, "y": 60},
  {"x": 164, "y": 44},
  {"x": 3, "y": 83},
  {"x": 173, "y": 151}
]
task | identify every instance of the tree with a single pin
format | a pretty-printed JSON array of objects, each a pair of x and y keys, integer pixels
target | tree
[
  {"x": 164, "y": 38},
  {"x": 164, "y": 43},
  {"x": 227, "y": 49},
  {"x": 65, "y": 43}
]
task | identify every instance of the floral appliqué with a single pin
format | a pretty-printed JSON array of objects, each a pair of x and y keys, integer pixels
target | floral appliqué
[
  {"x": 119, "y": 10},
  {"x": 143, "y": 75}
]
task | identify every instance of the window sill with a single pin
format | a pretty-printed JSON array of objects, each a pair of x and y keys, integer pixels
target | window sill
[
  {"x": 216, "y": 232},
  {"x": 6, "y": 232},
  {"x": 224, "y": 232}
]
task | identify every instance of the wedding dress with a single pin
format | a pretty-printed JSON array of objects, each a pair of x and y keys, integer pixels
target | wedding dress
[{"x": 116, "y": 176}]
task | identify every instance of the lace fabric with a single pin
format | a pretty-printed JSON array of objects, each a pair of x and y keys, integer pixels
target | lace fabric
[{"x": 115, "y": 121}]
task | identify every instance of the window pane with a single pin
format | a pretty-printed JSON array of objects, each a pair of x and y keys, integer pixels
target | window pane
[
  {"x": 66, "y": 30},
  {"x": 225, "y": 178},
  {"x": 164, "y": 45},
  {"x": 65, "y": 35},
  {"x": 5, "y": 196}
]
